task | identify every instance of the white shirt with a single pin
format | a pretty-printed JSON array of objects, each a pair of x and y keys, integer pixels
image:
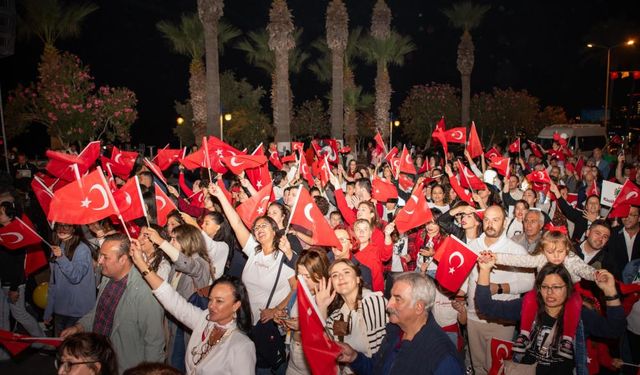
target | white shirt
[
  {"x": 519, "y": 282},
  {"x": 588, "y": 255},
  {"x": 218, "y": 252},
  {"x": 628, "y": 240},
  {"x": 259, "y": 275},
  {"x": 399, "y": 249},
  {"x": 235, "y": 354},
  {"x": 442, "y": 209}
]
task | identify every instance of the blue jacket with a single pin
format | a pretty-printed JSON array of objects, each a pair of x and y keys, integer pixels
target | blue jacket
[
  {"x": 430, "y": 352},
  {"x": 72, "y": 285}
]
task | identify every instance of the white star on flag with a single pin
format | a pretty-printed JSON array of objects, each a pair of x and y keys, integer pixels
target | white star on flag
[
  {"x": 260, "y": 210},
  {"x": 85, "y": 202},
  {"x": 219, "y": 152},
  {"x": 451, "y": 270},
  {"x": 259, "y": 184}
]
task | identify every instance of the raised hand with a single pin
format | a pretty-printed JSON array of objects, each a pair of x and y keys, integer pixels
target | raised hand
[
  {"x": 152, "y": 235},
  {"x": 325, "y": 294}
]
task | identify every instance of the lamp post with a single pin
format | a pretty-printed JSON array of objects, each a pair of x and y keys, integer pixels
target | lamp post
[
  {"x": 225, "y": 117},
  {"x": 393, "y": 123},
  {"x": 629, "y": 42},
  {"x": 180, "y": 121}
]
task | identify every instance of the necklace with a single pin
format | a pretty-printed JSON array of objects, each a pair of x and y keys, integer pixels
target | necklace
[{"x": 217, "y": 335}]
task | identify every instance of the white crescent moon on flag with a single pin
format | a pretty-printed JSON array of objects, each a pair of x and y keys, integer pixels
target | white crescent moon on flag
[
  {"x": 630, "y": 195},
  {"x": 406, "y": 159},
  {"x": 415, "y": 199},
  {"x": 498, "y": 350},
  {"x": 396, "y": 163},
  {"x": 457, "y": 135},
  {"x": 456, "y": 254},
  {"x": 233, "y": 162},
  {"x": 541, "y": 175},
  {"x": 466, "y": 173},
  {"x": 103, "y": 193},
  {"x": 162, "y": 200},
  {"x": 127, "y": 198},
  {"x": 307, "y": 211},
  {"x": 19, "y": 237},
  {"x": 117, "y": 158}
]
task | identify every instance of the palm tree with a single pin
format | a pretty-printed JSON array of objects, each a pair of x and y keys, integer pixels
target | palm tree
[
  {"x": 280, "y": 29},
  {"x": 384, "y": 47},
  {"x": 49, "y": 21},
  {"x": 337, "y": 24},
  {"x": 466, "y": 16},
  {"x": 210, "y": 12}
]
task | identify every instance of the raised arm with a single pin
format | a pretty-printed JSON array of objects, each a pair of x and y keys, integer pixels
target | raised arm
[
  {"x": 347, "y": 213},
  {"x": 241, "y": 231}
]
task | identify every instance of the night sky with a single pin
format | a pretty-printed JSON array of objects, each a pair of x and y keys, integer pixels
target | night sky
[{"x": 534, "y": 45}]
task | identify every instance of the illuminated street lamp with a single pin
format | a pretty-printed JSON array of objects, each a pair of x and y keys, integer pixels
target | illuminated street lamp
[
  {"x": 393, "y": 123},
  {"x": 629, "y": 42},
  {"x": 225, "y": 117},
  {"x": 180, "y": 121}
]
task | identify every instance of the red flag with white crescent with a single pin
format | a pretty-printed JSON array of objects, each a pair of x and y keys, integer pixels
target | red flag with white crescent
[
  {"x": 501, "y": 165},
  {"x": 382, "y": 191},
  {"x": 406, "y": 162},
  {"x": 155, "y": 169},
  {"x": 456, "y": 135},
  {"x": 168, "y": 156},
  {"x": 43, "y": 194},
  {"x": 415, "y": 213},
  {"x": 456, "y": 262},
  {"x": 307, "y": 215},
  {"x": 164, "y": 205},
  {"x": 492, "y": 153},
  {"x": 129, "y": 200},
  {"x": 515, "y": 146},
  {"x": 469, "y": 179},
  {"x": 500, "y": 351},
  {"x": 628, "y": 196},
  {"x": 18, "y": 233},
  {"x": 474, "y": 147},
  {"x": 255, "y": 206},
  {"x": 259, "y": 176}
]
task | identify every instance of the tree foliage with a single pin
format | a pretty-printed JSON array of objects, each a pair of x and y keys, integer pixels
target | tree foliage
[
  {"x": 310, "y": 118},
  {"x": 424, "y": 106},
  {"x": 66, "y": 100}
]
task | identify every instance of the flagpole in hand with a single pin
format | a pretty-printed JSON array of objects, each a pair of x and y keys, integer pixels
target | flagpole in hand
[
  {"x": 34, "y": 232},
  {"x": 293, "y": 209}
]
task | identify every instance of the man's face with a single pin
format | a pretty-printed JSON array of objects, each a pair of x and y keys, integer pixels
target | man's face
[
  {"x": 513, "y": 182},
  {"x": 493, "y": 222},
  {"x": 593, "y": 205},
  {"x": 597, "y": 153},
  {"x": 112, "y": 263},
  {"x": 532, "y": 224},
  {"x": 598, "y": 236},
  {"x": 22, "y": 159},
  {"x": 145, "y": 180},
  {"x": 400, "y": 307},
  {"x": 631, "y": 221}
]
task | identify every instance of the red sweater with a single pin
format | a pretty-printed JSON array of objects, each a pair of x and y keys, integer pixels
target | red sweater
[{"x": 373, "y": 256}]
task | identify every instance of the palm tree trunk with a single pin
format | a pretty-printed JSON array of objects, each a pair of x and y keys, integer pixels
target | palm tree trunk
[
  {"x": 210, "y": 12},
  {"x": 383, "y": 100},
  {"x": 337, "y": 93},
  {"x": 350, "y": 115},
  {"x": 281, "y": 116},
  {"x": 198, "y": 93},
  {"x": 466, "y": 98}
]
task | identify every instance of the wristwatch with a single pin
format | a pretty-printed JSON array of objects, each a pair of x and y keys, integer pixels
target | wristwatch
[
  {"x": 612, "y": 298},
  {"x": 146, "y": 272},
  {"x": 500, "y": 290}
]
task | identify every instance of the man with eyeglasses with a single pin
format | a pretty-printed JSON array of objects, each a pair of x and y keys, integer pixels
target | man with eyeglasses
[
  {"x": 624, "y": 245},
  {"x": 532, "y": 224}
]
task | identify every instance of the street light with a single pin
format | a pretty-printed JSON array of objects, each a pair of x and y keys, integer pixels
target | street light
[
  {"x": 629, "y": 42},
  {"x": 395, "y": 123},
  {"x": 180, "y": 121},
  {"x": 225, "y": 117}
]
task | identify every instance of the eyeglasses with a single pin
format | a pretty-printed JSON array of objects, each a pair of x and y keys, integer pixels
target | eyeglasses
[
  {"x": 551, "y": 288},
  {"x": 67, "y": 365},
  {"x": 261, "y": 226}
]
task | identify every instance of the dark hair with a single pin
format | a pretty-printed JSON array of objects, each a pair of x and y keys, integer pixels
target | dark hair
[
  {"x": 72, "y": 243},
  {"x": 152, "y": 368},
  {"x": 125, "y": 243},
  {"x": 602, "y": 223},
  {"x": 10, "y": 209},
  {"x": 525, "y": 203},
  {"x": 283, "y": 209},
  {"x": 158, "y": 254},
  {"x": 244, "y": 319},
  {"x": 149, "y": 198},
  {"x": 176, "y": 215},
  {"x": 274, "y": 227},
  {"x": 322, "y": 203},
  {"x": 315, "y": 260},
  {"x": 364, "y": 183},
  {"x": 277, "y": 177},
  {"x": 561, "y": 271},
  {"x": 94, "y": 347},
  {"x": 338, "y": 301}
]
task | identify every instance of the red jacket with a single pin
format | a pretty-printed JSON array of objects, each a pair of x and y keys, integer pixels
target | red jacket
[
  {"x": 420, "y": 240},
  {"x": 373, "y": 256},
  {"x": 597, "y": 356}
]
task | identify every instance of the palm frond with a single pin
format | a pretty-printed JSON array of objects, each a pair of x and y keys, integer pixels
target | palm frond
[
  {"x": 392, "y": 50},
  {"x": 187, "y": 38},
  {"x": 466, "y": 15},
  {"x": 256, "y": 48},
  {"x": 226, "y": 33},
  {"x": 50, "y": 20}
]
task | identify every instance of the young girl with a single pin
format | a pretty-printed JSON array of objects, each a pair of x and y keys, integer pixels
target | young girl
[{"x": 554, "y": 247}]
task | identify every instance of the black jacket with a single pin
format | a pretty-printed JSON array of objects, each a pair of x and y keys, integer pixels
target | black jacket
[
  {"x": 12, "y": 267},
  {"x": 617, "y": 249},
  {"x": 580, "y": 223}
]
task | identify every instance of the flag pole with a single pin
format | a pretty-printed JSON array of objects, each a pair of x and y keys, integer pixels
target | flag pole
[
  {"x": 144, "y": 209},
  {"x": 208, "y": 159},
  {"x": 34, "y": 232},
  {"x": 293, "y": 209}
]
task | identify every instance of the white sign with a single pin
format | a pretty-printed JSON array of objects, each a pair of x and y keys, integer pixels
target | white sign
[{"x": 610, "y": 191}]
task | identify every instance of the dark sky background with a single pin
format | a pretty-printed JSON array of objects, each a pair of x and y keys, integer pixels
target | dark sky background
[{"x": 525, "y": 44}]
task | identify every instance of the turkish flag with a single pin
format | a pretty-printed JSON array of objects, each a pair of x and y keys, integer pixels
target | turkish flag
[
  {"x": 572, "y": 199},
  {"x": 60, "y": 164},
  {"x": 164, "y": 205},
  {"x": 405, "y": 182},
  {"x": 155, "y": 170},
  {"x": 129, "y": 200},
  {"x": 468, "y": 179},
  {"x": 593, "y": 189},
  {"x": 43, "y": 194},
  {"x": 345, "y": 150},
  {"x": 119, "y": 170},
  {"x": 501, "y": 165},
  {"x": 541, "y": 177},
  {"x": 16, "y": 343},
  {"x": 255, "y": 206},
  {"x": 579, "y": 166},
  {"x": 560, "y": 139},
  {"x": 628, "y": 196},
  {"x": 18, "y": 234},
  {"x": 500, "y": 351},
  {"x": 274, "y": 158},
  {"x": 557, "y": 154},
  {"x": 319, "y": 350},
  {"x": 226, "y": 193},
  {"x": 515, "y": 146},
  {"x": 474, "y": 147},
  {"x": 441, "y": 125},
  {"x": 84, "y": 201},
  {"x": 297, "y": 146},
  {"x": 168, "y": 156},
  {"x": 306, "y": 214},
  {"x": 305, "y": 172},
  {"x": 439, "y": 135},
  {"x": 316, "y": 148},
  {"x": 34, "y": 260},
  {"x": 382, "y": 191},
  {"x": 122, "y": 162},
  {"x": 492, "y": 153},
  {"x": 320, "y": 169},
  {"x": 462, "y": 193},
  {"x": 535, "y": 148},
  {"x": 415, "y": 213},
  {"x": 456, "y": 262},
  {"x": 216, "y": 149},
  {"x": 237, "y": 164},
  {"x": 424, "y": 167},
  {"x": 456, "y": 135},
  {"x": 332, "y": 157},
  {"x": 380, "y": 147},
  {"x": 391, "y": 154},
  {"x": 195, "y": 160},
  {"x": 259, "y": 176},
  {"x": 406, "y": 162}
]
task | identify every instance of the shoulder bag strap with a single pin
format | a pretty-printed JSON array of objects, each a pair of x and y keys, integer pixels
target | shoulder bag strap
[{"x": 273, "y": 290}]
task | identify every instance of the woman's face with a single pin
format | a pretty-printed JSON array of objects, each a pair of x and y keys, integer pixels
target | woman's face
[
  {"x": 364, "y": 212},
  {"x": 345, "y": 240},
  {"x": 275, "y": 213},
  {"x": 386, "y": 173},
  {"x": 222, "y": 304},
  {"x": 175, "y": 243},
  {"x": 64, "y": 232},
  {"x": 437, "y": 194},
  {"x": 352, "y": 166},
  {"x": 553, "y": 291},
  {"x": 172, "y": 222},
  {"x": 519, "y": 211},
  {"x": 344, "y": 279},
  {"x": 263, "y": 232},
  {"x": 432, "y": 228},
  {"x": 96, "y": 229},
  {"x": 209, "y": 226},
  {"x": 530, "y": 197},
  {"x": 363, "y": 232},
  {"x": 452, "y": 195},
  {"x": 70, "y": 364},
  {"x": 468, "y": 221},
  {"x": 302, "y": 271}
]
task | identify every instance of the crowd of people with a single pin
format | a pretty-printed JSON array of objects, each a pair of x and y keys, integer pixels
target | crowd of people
[{"x": 205, "y": 290}]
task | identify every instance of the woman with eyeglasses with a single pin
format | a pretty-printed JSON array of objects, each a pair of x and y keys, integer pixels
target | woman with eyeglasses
[
  {"x": 461, "y": 221},
  {"x": 355, "y": 314},
  {"x": 553, "y": 287},
  {"x": 72, "y": 285},
  {"x": 269, "y": 280},
  {"x": 86, "y": 353},
  {"x": 219, "y": 343}
]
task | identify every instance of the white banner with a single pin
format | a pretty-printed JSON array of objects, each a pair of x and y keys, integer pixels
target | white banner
[{"x": 610, "y": 191}]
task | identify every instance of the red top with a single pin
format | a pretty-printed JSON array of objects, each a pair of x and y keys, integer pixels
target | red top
[{"x": 373, "y": 256}]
